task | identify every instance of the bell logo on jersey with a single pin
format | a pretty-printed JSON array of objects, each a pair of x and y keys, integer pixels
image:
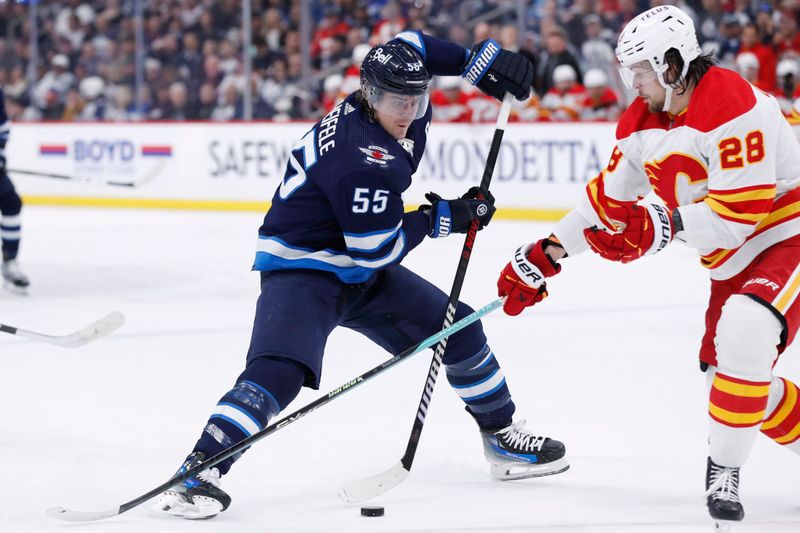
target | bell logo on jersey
[{"x": 377, "y": 154}]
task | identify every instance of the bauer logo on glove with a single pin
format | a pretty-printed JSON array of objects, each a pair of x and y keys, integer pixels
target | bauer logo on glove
[
  {"x": 526, "y": 271},
  {"x": 522, "y": 279}
]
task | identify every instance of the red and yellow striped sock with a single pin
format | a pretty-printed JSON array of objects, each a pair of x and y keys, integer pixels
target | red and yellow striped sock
[
  {"x": 783, "y": 424},
  {"x": 736, "y": 402}
]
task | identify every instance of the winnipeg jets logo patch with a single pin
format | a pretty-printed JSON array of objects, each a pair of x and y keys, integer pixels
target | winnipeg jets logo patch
[
  {"x": 407, "y": 144},
  {"x": 377, "y": 154}
]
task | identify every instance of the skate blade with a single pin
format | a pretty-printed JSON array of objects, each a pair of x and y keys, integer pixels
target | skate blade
[
  {"x": 174, "y": 504},
  {"x": 511, "y": 472},
  {"x": 15, "y": 289},
  {"x": 723, "y": 526}
]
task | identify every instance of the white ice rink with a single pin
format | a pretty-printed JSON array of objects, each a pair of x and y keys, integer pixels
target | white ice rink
[{"x": 607, "y": 364}]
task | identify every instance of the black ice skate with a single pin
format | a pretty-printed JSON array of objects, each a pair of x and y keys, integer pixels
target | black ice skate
[
  {"x": 515, "y": 453},
  {"x": 199, "y": 497},
  {"x": 13, "y": 278},
  {"x": 722, "y": 493}
]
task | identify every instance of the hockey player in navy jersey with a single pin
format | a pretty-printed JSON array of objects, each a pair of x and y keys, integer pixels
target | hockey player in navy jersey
[
  {"x": 10, "y": 207},
  {"x": 329, "y": 254}
]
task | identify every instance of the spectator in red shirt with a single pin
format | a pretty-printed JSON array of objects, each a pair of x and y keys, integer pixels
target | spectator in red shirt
[
  {"x": 601, "y": 102},
  {"x": 786, "y": 38},
  {"x": 767, "y": 60},
  {"x": 450, "y": 102},
  {"x": 329, "y": 27},
  {"x": 352, "y": 75},
  {"x": 563, "y": 101},
  {"x": 788, "y": 90},
  {"x": 748, "y": 65}
]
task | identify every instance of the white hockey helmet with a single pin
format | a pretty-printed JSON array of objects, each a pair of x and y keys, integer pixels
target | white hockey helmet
[
  {"x": 564, "y": 73},
  {"x": 595, "y": 78},
  {"x": 649, "y": 36},
  {"x": 747, "y": 61},
  {"x": 787, "y": 66}
]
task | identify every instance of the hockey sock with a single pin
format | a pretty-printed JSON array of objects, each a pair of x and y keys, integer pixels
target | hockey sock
[
  {"x": 736, "y": 408},
  {"x": 480, "y": 383},
  {"x": 782, "y": 423},
  {"x": 265, "y": 388},
  {"x": 10, "y": 224}
]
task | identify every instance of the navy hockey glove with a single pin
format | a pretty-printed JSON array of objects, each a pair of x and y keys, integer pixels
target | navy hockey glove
[
  {"x": 496, "y": 71},
  {"x": 455, "y": 216}
]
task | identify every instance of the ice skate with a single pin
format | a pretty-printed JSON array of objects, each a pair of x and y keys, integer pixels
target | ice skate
[
  {"x": 199, "y": 497},
  {"x": 722, "y": 493},
  {"x": 515, "y": 453},
  {"x": 13, "y": 278}
]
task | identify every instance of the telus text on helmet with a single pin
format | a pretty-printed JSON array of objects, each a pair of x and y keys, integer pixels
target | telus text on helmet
[{"x": 652, "y": 13}]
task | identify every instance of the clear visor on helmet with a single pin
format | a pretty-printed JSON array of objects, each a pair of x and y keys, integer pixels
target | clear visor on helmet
[
  {"x": 398, "y": 106},
  {"x": 637, "y": 74}
]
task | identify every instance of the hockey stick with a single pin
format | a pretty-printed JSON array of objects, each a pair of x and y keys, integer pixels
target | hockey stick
[
  {"x": 89, "y": 179},
  {"x": 95, "y": 330},
  {"x": 61, "y": 513},
  {"x": 365, "y": 489}
]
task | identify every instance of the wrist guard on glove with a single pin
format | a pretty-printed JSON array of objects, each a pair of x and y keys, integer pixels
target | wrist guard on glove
[
  {"x": 522, "y": 280},
  {"x": 496, "y": 71},
  {"x": 455, "y": 216},
  {"x": 644, "y": 230}
]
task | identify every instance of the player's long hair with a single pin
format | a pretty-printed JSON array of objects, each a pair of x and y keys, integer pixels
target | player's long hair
[
  {"x": 362, "y": 101},
  {"x": 697, "y": 69}
]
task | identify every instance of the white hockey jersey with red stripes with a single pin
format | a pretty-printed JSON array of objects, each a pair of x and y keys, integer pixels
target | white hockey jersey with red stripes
[{"x": 729, "y": 163}]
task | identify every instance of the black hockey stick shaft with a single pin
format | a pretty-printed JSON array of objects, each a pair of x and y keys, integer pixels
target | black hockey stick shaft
[
  {"x": 79, "y": 516},
  {"x": 71, "y": 178},
  {"x": 455, "y": 292}
]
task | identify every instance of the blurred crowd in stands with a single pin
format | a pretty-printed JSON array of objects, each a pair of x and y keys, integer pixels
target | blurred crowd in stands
[{"x": 193, "y": 69}]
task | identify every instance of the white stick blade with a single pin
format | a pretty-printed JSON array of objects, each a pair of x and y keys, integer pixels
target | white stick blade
[
  {"x": 365, "y": 489},
  {"x": 60, "y": 513},
  {"x": 112, "y": 321}
]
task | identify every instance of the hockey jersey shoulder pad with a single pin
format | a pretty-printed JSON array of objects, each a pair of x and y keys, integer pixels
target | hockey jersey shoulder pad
[{"x": 721, "y": 96}]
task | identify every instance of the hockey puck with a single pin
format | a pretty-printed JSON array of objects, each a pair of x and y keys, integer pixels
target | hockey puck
[{"x": 372, "y": 510}]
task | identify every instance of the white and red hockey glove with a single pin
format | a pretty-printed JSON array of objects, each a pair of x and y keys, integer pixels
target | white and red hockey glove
[
  {"x": 522, "y": 280},
  {"x": 644, "y": 229}
]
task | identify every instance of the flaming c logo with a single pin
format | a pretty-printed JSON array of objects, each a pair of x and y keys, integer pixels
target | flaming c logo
[{"x": 669, "y": 173}]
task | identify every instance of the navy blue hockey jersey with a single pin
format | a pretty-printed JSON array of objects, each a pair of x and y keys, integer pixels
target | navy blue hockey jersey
[{"x": 339, "y": 207}]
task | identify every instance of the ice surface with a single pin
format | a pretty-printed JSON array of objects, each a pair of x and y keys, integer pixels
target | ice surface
[{"x": 607, "y": 364}]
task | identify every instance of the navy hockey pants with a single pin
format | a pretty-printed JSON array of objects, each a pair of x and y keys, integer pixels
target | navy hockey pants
[
  {"x": 10, "y": 207},
  {"x": 396, "y": 308},
  {"x": 298, "y": 310}
]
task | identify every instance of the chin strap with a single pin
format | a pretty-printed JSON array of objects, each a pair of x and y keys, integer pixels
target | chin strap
[
  {"x": 667, "y": 99},
  {"x": 668, "y": 88}
]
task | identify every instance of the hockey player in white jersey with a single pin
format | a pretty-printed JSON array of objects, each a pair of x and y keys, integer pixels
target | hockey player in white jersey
[{"x": 726, "y": 167}]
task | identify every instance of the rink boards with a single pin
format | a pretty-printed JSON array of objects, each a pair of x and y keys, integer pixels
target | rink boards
[{"x": 540, "y": 171}]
